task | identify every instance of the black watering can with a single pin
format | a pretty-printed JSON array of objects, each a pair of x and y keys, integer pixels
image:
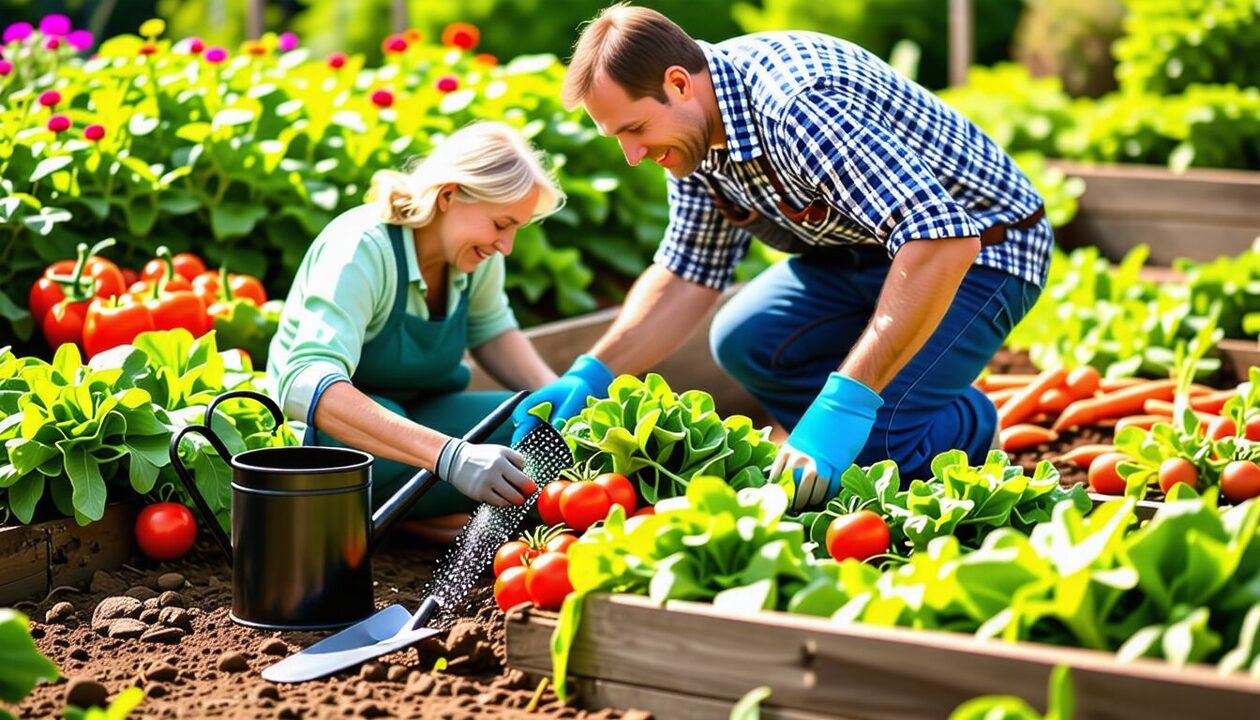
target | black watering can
[{"x": 303, "y": 530}]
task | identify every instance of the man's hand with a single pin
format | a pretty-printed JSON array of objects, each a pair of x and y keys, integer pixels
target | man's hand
[
  {"x": 567, "y": 394},
  {"x": 827, "y": 439}
]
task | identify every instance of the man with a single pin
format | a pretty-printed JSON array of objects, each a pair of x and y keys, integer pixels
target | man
[{"x": 918, "y": 244}]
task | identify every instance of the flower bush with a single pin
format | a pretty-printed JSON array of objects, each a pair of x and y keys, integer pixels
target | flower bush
[{"x": 243, "y": 155}]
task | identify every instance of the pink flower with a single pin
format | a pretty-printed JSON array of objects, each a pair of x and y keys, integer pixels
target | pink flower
[
  {"x": 52, "y": 43},
  {"x": 216, "y": 55},
  {"x": 17, "y": 31},
  {"x": 94, "y": 132},
  {"x": 57, "y": 25},
  {"x": 6, "y": 67},
  {"x": 447, "y": 84},
  {"x": 195, "y": 45},
  {"x": 394, "y": 44},
  {"x": 287, "y": 42},
  {"x": 59, "y": 123},
  {"x": 49, "y": 98},
  {"x": 80, "y": 39},
  {"x": 148, "y": 49},
  {"x": 336, "y": 60},
  {"x": 382, "y": 98}
]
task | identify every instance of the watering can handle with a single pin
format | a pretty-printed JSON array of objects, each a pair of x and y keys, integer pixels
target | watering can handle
[
  {"x": 186, "y": 478},
  {"x": 272, "y": 407}
]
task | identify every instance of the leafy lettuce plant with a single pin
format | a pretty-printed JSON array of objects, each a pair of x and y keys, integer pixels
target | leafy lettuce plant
[
  {"x": 21, "y": 663},
  {"x": 661, "y": 439}
]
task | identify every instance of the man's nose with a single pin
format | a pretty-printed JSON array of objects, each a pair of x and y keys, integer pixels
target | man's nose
[{"x": 634, "y": 152}]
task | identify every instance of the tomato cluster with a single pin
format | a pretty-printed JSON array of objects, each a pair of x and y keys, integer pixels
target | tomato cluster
[
  {"x": 583, "y": 501},
  {"x": 534, "y": 569}
]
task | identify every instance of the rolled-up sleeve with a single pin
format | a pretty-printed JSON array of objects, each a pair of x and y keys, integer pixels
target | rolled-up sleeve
[
  {"x": 863, "y": 170},
  {"x": 489, "y": 313},
  {"x": 700, "y": 244},
  {"x": 343, "y": 287}
]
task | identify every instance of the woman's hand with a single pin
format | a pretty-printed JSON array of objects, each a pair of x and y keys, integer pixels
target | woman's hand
[{"x": 486, "y": 473}]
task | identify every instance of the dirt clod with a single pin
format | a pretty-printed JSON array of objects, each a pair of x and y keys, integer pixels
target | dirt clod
[
  {"x": 176, "y": 618},
  {"x": 372, "y": 672},
  {"x": 85, "y": 692},
  {"x": 59, "y": 613},
  {"x": 126, "y": 628},
  {"x": 232, "y": 662},
  {"x": 170, "y": 598},
  {"x": 170, "y": 581},
  {"x": 113, "y": 608},
  {"x": 166, "y": 635},
  {"x": 162, "y": 671},
  {"x": 148, "y": 616},
  {"x": 141, "y": 593},
  {"x": 273, "y": 646},
  {"x": 396, "y": 673}
]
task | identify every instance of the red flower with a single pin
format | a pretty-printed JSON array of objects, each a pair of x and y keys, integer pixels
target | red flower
[
  {"x": 195, "y": 45},
  {"x": 394, "y": 44},
  {"x": 382, "y": 98},
  {"x": 447, "y": 84},
  {"x": 59, "y": 123},
  {"x": 94, "y": 132},
  {"x": 336, "y": 60},
  {"x": 6, "y": 67},
  {"x": 52, "y": 43},
  {"x": 148, "y": 49},
  {"x": 49, "y": 98},
  {"x": 462, "y": 35}
]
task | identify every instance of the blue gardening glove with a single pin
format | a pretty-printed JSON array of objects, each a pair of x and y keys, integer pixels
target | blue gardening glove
[
  {"x": 567, "y": 394},
  {"x": 828, "y": 438}
]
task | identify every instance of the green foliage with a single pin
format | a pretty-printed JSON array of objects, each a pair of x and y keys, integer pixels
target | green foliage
[
  {"x": 244, "y": 162},
  {"x": 1071, "y": 39},
  {"x": 1061, "y": 700},
  {"x": 1170, "y": 45},
  {"x": 21, "y": 663}
]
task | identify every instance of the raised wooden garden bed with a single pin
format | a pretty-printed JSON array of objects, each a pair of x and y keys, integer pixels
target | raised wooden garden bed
[
  {"x": 34, "y": 559},
  {"x": 1198, "y": 214},
  {"x": 693, "y": 661}
]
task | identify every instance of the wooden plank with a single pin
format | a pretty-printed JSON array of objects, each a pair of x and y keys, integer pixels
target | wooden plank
[
  {"x": 1145, "y": 509},
  {"x": 866, "y": 673},
  {"x": 23, "y": 563},
  {"x": 75, "y": 553},
  {"x": 1238, "y": 357}
]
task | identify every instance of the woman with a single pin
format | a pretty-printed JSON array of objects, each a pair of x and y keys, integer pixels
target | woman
[{"x": 388, "y": 299}]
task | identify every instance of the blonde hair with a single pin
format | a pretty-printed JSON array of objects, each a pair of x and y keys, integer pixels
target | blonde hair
[{"x": 486, "y": 161}]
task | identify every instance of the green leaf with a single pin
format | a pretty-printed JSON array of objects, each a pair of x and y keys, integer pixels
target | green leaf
[
  {"x": 85, "y": 478},
  {"x": 234, "y": 219},
  {"x": 23, "y": 664},
  {"x": 749, "y": 706},
  {"x": 50, "y": 165}
]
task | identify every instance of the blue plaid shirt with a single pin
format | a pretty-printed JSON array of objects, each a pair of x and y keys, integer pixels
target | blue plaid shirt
[{"x": 892, "y": 161}]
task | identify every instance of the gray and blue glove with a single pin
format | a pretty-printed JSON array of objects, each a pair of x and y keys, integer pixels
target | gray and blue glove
[
  {"x": 827, "y": 440},
  {"x": 587, "y": 377}
]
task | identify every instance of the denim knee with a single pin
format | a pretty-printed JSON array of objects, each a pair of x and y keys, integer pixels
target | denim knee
[{"x": 737, "y": 345}]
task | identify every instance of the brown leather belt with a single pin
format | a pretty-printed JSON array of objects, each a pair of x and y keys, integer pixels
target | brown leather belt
[{"x": 996, "y": 234}]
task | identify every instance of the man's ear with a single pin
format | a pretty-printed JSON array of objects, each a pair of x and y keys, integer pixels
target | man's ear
[{"x": 678, "y": 83}]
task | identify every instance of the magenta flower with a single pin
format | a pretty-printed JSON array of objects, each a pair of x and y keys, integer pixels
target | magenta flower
[
  {"x": 382, "y": 98},
  {"x": 57, "y": 25},
  {"x": 195, "y": 45},
  {"x": 395, "y": 44},
  {"x": 216, "y": 55},
  {"x": 447, "y": 84},
  {"x": 287, "y": 42},
  {"x": 80, "y": 39},
  {"x": 59, "y": 123},
  {"x": 49, "y": 98},
  {"x": 6, "y": 67},
  {"x": 52, "y": 43},
  {"x": 336, "y": 60},
  {"x": 94, "y": 132},
  {"x": 17, "y": 31}
]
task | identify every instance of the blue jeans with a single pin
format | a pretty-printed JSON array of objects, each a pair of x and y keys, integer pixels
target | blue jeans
[{"x": 787, "y": 329}]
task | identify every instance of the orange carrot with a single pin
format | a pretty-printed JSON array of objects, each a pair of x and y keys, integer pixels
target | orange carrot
[
  {"x": 1146, "y": 422},
  {"x": 1025, "y": 435},
  {"x": 1110, "y": 385},
  {"x": 1083, "y": 382},
  {"x": 1118, "y": 404},
  {"x": 1024, "y": 403},
  {"x": 1054, "y": 400},
  {"x": 1003, "y": 381},
  {"x": 1082, "y": 455},
  {"x": 1001, "y": 396},
  {"x": 1212, "y": 402},
  {"x": 1155, "y": 406}
]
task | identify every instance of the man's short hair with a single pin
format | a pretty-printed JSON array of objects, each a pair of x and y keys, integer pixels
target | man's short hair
[{"x": 634, "y": 45}]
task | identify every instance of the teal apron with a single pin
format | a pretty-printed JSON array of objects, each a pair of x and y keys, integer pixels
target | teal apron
[{"x": 414, "y": 368}]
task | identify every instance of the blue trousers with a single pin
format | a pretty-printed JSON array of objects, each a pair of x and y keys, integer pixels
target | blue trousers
[{"x": 784, "y": 332}]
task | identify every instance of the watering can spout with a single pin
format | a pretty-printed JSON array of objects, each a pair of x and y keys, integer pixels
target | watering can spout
[{"x": 397, "y": 506}]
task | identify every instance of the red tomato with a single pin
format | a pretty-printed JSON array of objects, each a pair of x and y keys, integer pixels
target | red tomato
[
  {"x": 1177, "y": 470},
  {"x": 63, "y": 323},
  {"x": 620, "y": 491},
  {"x": 583, "y": 504},
  {"x": 1103, "y": 477},
  {"x": 165, "y": 530},
  {"x": 108, "y": 325},
  {"x": 187, "y": 266},
  {"x": 646, "y": 510},
  {"x": 860, "y": 536},
  {"x": 547, "y": 580},
  {"x": 206, "y": 285},
  {"x": 1221, "y": 428},
  {"x": 512, "y": 553},
  {"x": 178, "y": 309},
  {"x": 1240, "y": 481},
  {"x": 45, "y": 293},
  {"x": 1251, "y": 430},
  {"x": 561, "y": 542},
  {"x": 509, "y": 588},
  {"x": 549, "y": 502}
]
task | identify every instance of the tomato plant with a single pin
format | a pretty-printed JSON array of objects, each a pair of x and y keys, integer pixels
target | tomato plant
[
  {"x": 547, "y": 580},
  {"x": 524, "y": 549},
  {"x": 860, "y": 536},
  {"x": 165, "y": 530}
]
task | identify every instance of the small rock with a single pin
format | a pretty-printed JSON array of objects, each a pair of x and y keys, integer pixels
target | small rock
[
  {"x": 103, "y": 582},
  {"x": 160, "y": 670},
  {"x": 152, "y": 604},
  {"x": 268, "y": 692},
  {"x": 59, "y": 613},
  {"x": 372, "y": 672},
  {"x": 126, "y": 628},
  {"x": 232, "y": 662},
  {"x": 85, "y": 693},
  {"x": 273, "y": 646},
  {"x": 150, "y": 616},
  {"x": 140, "y": 593},
  {"x": 420, "y": 683},
  {"x": 170, "y": 598},
  {"x": 156, "y": 690},
  {"x": 113, "y": 608},
  {"x": 372, "y": 710},
  {"x": 176, "y": 617},
  {"x": 170, "y": 581},
  {"x": 396, "y": 673},
  {"x": 80, "y": 654},
  {"x": 166, "y": 635}
]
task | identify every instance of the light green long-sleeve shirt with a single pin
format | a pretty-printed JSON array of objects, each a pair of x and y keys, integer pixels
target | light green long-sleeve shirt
[{"x": 343, "y": 294}]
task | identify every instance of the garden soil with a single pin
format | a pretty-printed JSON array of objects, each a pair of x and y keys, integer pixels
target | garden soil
[{"x": 165, "y": 628}]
